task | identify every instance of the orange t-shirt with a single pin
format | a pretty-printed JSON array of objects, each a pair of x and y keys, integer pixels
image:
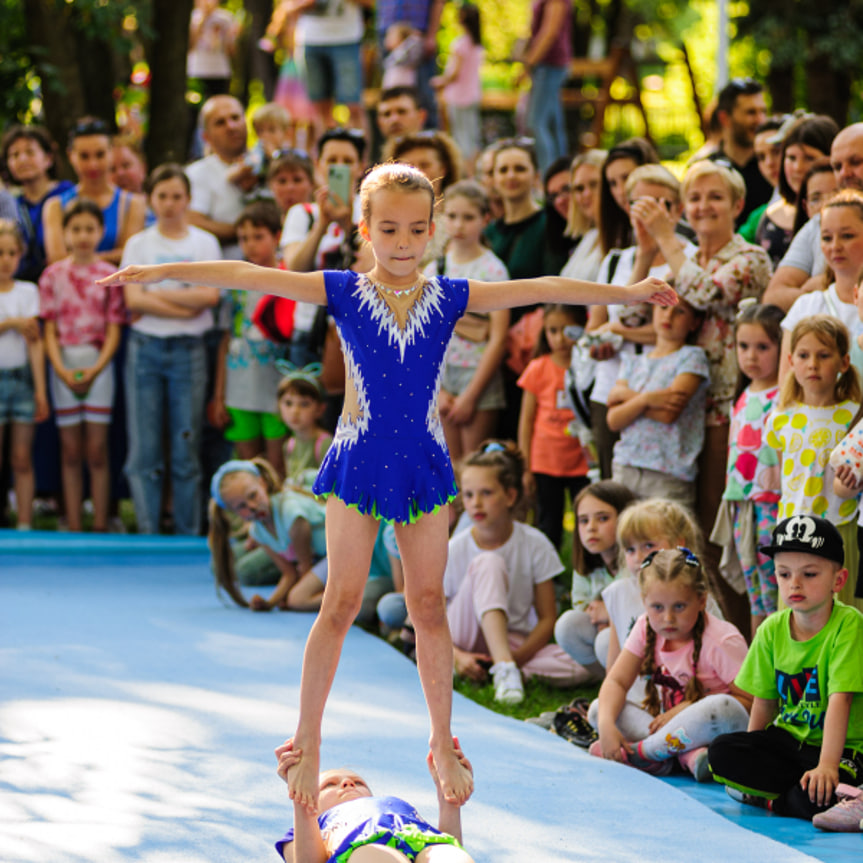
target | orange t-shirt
[{"x": 553, "y": 451}]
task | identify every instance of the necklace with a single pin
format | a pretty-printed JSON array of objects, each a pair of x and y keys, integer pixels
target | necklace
[{"x": 398, "y": 292}]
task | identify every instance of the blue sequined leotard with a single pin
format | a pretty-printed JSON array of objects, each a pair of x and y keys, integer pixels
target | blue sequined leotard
[{"x": 389, "y": 457}]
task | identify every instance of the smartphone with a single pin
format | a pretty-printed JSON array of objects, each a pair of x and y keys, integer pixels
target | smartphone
[{"x": 339, "y": 182}]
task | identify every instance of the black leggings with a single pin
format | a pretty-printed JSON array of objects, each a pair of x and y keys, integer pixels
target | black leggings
[
  {"x": 550, "y": 500},
  {"x": 770, "y": 763}
]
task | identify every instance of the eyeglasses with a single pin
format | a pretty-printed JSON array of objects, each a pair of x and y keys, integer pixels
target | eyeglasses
[{"x": 560, "y": 193}]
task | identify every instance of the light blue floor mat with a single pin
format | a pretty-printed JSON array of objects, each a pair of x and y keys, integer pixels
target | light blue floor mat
[{"x": 138, "y": 715}]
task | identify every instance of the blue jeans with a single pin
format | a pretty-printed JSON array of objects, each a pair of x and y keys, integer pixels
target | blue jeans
[
  {"x": 545, "y": 114},
  {"x": 165, "y": 381},
  {"x": 392, "y": 610}
]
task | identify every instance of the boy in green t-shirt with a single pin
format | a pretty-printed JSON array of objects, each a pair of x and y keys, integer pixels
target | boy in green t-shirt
[{"x": 805, "y": 672}]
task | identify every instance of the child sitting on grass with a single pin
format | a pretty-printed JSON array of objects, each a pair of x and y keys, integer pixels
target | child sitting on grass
[
  {"x": 499, "y": 584},
  {"x": 688, "y": 659},
  {"x": 805, "y": 671}
]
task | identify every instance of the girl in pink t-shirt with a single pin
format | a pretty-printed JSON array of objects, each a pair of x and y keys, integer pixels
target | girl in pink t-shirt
[
  {"x": 689, "y": 660},
  {"x": 555, "y": 459},
  {"x": 82, "y": 334}
]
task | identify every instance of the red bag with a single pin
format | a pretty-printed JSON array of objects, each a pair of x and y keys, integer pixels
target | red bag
[{"x": 274, "y": 317}]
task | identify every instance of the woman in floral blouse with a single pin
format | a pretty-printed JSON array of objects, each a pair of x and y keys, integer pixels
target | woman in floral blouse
[{"x": 724, "y": 270}]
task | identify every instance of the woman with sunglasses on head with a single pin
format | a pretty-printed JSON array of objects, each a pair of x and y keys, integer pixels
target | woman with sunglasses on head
[{"x": 90, "y": 152}]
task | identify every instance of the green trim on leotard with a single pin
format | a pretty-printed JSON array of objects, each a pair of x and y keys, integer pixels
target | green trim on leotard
[
  {"x": 409, "y": 840},
  {"x": 372, "y": 510}
]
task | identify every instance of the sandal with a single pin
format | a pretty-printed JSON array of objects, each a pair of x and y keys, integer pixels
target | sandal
[{"x": 571, "y": 724}]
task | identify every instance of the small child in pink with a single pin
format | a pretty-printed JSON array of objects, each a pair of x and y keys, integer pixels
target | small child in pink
[
  {"x": 689, "y": 659},
  {"x": 82, "y": 334}
]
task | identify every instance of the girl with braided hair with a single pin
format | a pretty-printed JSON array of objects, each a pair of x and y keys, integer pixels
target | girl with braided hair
[{"x": 689, "y": 660}]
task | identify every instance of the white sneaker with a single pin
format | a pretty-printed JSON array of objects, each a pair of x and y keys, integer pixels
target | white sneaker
[{"x": 508, "y": 688}]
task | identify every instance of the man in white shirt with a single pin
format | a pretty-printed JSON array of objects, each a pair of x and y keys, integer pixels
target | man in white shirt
[{"x": 216, "y": 201}]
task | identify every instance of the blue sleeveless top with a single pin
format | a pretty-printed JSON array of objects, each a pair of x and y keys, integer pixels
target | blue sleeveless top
[
  {"x": 111, "y": 214},
  {"x": 30, "y": 221}
]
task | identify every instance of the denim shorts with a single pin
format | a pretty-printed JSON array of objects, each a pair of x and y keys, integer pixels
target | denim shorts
[
  {"x": 333, "y": 72},
  {"x": 17, "y": 404}
]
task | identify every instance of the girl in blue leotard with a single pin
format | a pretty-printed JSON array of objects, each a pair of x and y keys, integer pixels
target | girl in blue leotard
[{"x": 389, "y": 458}]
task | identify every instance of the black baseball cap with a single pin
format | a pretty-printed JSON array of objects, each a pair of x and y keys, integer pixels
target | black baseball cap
[{"x": 808, "y": 534}]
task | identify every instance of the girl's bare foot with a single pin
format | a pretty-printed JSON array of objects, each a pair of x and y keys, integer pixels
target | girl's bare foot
[{"x": 456, "y": 778}]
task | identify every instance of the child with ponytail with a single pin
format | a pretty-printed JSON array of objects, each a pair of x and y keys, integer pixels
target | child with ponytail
[{"x": 689, "y": 659}]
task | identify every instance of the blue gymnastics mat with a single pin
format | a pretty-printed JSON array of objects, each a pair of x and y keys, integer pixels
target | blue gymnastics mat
[{"x": 138, "y": 716}]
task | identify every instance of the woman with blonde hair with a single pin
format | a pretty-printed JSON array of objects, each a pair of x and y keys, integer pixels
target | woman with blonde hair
[{"x": 581, "y": 224}]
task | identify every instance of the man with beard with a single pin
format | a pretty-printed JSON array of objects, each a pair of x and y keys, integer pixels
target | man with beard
[
  {"x": 800, "y": 271},
  {"x": 741, "y": 111}
]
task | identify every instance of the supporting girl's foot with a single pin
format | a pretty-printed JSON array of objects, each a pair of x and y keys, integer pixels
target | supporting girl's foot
[
  {"x": 454, "y": 773},
  {"x": 302, "y": 777}
]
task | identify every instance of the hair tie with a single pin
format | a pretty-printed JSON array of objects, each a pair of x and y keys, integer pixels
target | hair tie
[
  {"x": 744, "y": 304},
  {"x": 234, "y": 466},
  {"x": 494, "y": 446},
  {"x": 690, "y": 556},
  {"x": 309, "y": 373},
  {"x": 649, "y": 559}
]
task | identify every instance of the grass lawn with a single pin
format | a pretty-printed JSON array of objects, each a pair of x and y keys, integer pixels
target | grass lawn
[{"x": 538, "y": 696}]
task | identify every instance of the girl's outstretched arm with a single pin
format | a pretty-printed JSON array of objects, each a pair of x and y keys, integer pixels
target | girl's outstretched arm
[
  {"x": 228, "y": 275},
  {"x": 488, "y": 296}
]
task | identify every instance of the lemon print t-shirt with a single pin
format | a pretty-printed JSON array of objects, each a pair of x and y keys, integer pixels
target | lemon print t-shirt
[{"x": 804, "y": 436}]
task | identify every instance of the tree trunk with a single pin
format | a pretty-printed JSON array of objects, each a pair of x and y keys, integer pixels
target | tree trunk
[
  {"x": 166, "y": 55},
  {"x": 48, "y": 27},
  {"x": 828, "y": 90},
  {"x": 261, "y": 66},
  {"x": 780, "y": 83},
  {"x": 96, "y": 71}
]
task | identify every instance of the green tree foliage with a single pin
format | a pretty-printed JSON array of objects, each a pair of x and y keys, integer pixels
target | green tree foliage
[
  {"x": 814, "y": 49},
  {"x": 62, "y": 59},
  {"x": 39, "y": 37}
]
